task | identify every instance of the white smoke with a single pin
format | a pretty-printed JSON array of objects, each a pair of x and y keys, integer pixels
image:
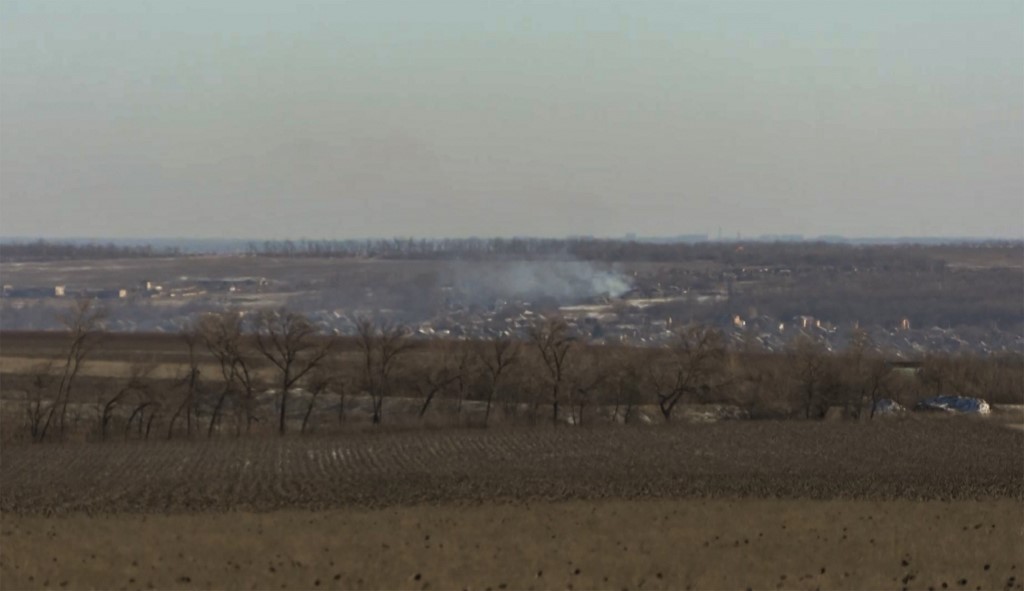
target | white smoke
[{"x": 564, "y": 280}]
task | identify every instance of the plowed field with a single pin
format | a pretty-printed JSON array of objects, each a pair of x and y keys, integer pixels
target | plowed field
[
  {"x": 911, "y": 459},
  {"x": 916, "y": 503}
]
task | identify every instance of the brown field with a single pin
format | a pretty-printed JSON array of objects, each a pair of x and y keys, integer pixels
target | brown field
[
  {"x": 649, "y": 544},
  {"x": 917, "y": 502},
  {"x": 106, "y": 273},
  {"x": 981, "y": 258},
  {"x": 912, "y": 459},
  {"x": 53, "y": 344},
  {"x": 380, "y": 273},
  {"x": 891, "y": 504}
]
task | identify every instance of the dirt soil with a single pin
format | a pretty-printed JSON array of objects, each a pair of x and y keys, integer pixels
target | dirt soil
[
  {"x": 887, "y": 459},
  {"x": 653, "y": 544},
  {"x": 790, "y": 505}
]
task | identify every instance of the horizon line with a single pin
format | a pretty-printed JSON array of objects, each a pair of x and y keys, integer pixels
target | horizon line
[{"x": 695, "y": 237}]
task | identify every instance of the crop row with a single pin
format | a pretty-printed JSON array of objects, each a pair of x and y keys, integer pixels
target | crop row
[{"x": 938, "y": 459}]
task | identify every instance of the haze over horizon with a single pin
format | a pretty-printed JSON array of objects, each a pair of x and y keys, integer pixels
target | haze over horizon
[{"x": 355, "y": 119}]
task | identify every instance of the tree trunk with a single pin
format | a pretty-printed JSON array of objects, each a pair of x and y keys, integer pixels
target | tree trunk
[
  {"x": 426, "y": 401},
  {"x": 149, "y": 424},
  {"x": 216, "y": 413},
  {"x": 666, "y": 409},
  {"x": 104, "y": 421},
  {"x": 139, "y": 411},
  {"x": 487, "y": 409},
  {"x": 309, "y": 411},
  {"x": 186, "y": 406},
  {"x": 49, "y": 418},
  {"x": 284, "y": 407},
  {"x": 378, "y": 403}
]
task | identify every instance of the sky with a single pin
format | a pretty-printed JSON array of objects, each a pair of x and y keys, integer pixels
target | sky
[{"x": 274, "y": 119}]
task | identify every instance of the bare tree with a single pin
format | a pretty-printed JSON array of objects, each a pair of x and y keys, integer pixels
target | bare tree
[
  {"x": 37, "y": 402},
  {"x": 319, "y": 381},
  {"x": 290, "y": 342},
  {"x": 136, "y": 383},
  {"x": 436, "y": 376},
  {"x": 809, "y": 363},
  {"x": 533, "y": 384},
  {"x": 866, "y": 375},
  {"x": 466, "y": 371},
  {"x": 763, "y": 385},
  {"x": 875, "y": 376},
  {"x": 83, "y": 322},
  {"x": 553, "y": 342},
  {"x": 497, "y": 357},
  {"x": 694, "y": 366},
  {"x": 625, "y": 389},
  {"x": 191, "y": 336},
  {"x": 590, "y": 374},
  {"x": 381, "y": 348},
  {"x": 222, "y": 334},
  {"x": 224, "y": 338},
  {"x": 144, "y": 401},
  {"x": 342, "y": 386}
]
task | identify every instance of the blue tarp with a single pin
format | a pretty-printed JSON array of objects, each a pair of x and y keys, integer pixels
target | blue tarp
[{"x": 959, "y": 404}]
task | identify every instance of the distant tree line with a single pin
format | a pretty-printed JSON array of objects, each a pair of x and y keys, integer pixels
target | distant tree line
[
  {"x": 793, "y": 254},
  {"x": 278, "y": 354},
  {"x": 45, "y": 250},
  {"x": 796, "y": 254}
]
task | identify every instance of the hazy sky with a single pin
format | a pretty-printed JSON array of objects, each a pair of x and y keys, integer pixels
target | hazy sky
[{"x": 352, "y": 119}]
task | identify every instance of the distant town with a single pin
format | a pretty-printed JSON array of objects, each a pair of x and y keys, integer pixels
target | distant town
[{"x": 635, "y": 303}]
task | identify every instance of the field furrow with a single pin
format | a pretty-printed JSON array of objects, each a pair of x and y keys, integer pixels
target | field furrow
[{"x": 790, "y": 459}]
